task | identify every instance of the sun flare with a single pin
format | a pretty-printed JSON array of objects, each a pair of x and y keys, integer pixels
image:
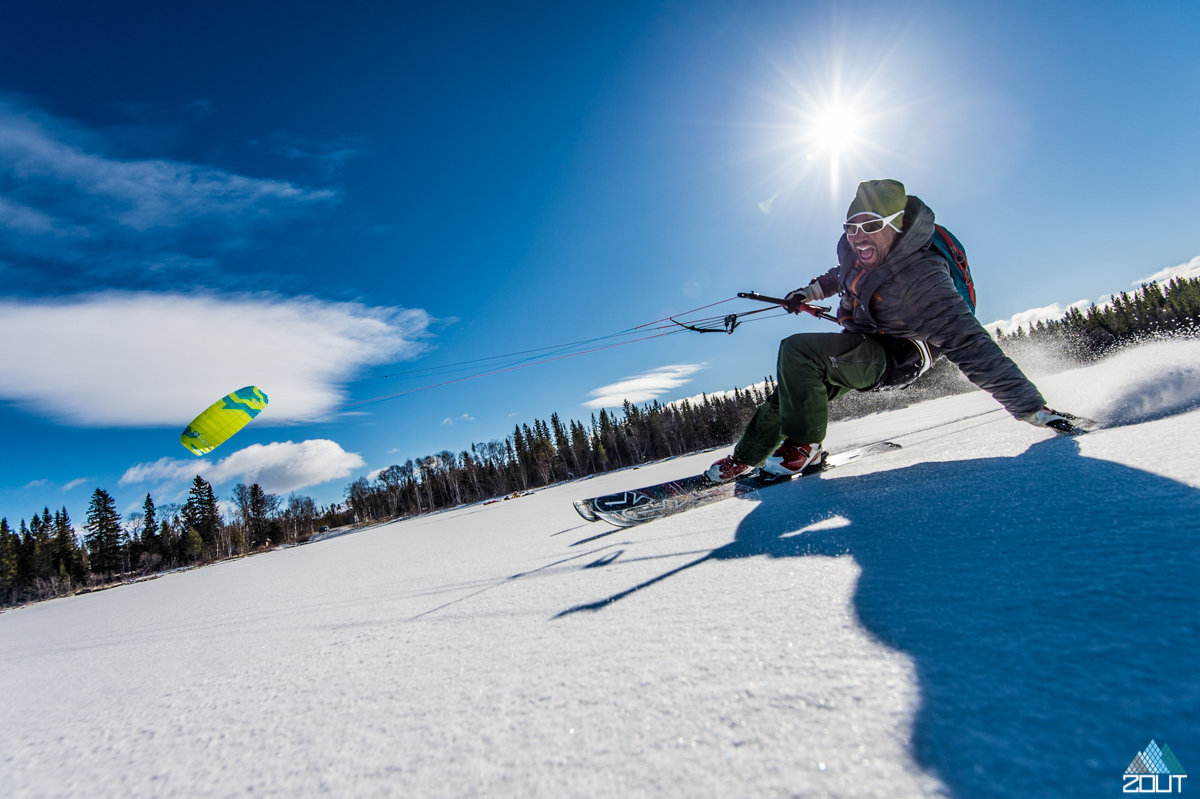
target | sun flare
[
  {"x": 830, "y": 117},
  {"x": 835, "y": 129}
]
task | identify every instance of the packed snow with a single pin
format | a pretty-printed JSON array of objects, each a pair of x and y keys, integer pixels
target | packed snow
[{"x": 989, "y": 611}]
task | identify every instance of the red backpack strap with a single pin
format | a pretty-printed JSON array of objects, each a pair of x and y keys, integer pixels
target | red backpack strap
[{"x": 960, "y": 257}]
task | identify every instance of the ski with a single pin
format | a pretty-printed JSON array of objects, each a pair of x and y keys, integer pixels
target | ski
[{"x": 630, "y": 508}]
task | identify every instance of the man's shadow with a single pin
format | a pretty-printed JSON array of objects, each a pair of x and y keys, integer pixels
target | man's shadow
[{"x": 1050, "y": 603}]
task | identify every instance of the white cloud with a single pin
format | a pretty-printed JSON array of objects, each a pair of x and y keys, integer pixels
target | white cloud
[
  {"x": 643, "y": 387},
  {"x": 1024, "y": 319},
  {"x": 448, "y": 420},
  {"x": 164, "y": 470},
  {"x": 145, "y": 359},
  {"x": 278, "y": 467},
  {"x": 78, "y": 481},
  {"x": 1035, "y": 315},
  {"x": 286, "y": 466},
  {"x": 466, "y": 417},
  {"x": 1184, "y": 272},
  {"x": 37, "y": 483},
  {"x": 698, "y": 399}
]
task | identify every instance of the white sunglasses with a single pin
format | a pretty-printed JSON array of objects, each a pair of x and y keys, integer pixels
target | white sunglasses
[{"x": 871, "y": 225}]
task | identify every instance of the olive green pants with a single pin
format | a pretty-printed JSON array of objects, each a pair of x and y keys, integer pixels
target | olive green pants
[{"x": 813, "y": 370}]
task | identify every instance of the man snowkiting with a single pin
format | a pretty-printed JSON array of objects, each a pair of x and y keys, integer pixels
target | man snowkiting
[{"x": 900, "y": 311}]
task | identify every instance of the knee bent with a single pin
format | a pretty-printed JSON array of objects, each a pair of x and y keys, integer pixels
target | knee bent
[{"x": 799, "y": 345}]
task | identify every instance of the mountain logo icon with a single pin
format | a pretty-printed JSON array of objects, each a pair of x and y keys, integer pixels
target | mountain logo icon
[{"x": 1145, "y": 774}]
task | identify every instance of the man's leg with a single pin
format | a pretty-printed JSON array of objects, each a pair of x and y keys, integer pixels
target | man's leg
[
  {"x": 761, "y": 435},
  {"x": 813, "y": 369},
  {"x": 817, "y": 368}
]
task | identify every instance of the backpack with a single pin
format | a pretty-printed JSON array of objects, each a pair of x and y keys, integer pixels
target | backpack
[{"x": 952, "y": 250}]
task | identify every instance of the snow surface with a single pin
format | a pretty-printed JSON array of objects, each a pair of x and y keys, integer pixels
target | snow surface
[{"x": 990, "y": 611}]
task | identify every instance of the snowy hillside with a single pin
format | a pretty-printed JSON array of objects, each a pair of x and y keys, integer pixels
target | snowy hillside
[{"x": 991, "y": 611}]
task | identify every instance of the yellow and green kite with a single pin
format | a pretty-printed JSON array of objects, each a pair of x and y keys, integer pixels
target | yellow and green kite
[{"x": 223, "y": 418}]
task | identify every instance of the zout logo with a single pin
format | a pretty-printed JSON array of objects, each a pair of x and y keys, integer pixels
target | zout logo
[{"x": 1147, "y": 771}]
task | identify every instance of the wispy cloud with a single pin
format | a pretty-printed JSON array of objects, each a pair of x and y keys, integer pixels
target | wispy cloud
[
  {"x": 37, "y": 483},
  {"x": 81, "y": 359},
  {"x": 199, "y": 108},
  {"x": 26, "y": 220},
  {"x": 1034, "y": 315},
  {"x": 698, "y": 399},
  {"x": 1185, "y": 271},
  {"x": 1025, "y": 319},
  {"x": 78, "y": 481},
  {"x": 643, "y": 387},
  {"x": 329, "y": 156},
  {"x": 278, "y": 467},
  {"x": 448, "y": 420},
  {"x": 63, "y": 199}
]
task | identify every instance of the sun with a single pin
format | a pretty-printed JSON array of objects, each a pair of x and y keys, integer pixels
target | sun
[
  {"x": 835, "y": 129},
  {"x": 827, "y": 117}
]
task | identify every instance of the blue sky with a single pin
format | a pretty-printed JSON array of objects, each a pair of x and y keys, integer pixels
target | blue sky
[{"x": 309, "y": 198}]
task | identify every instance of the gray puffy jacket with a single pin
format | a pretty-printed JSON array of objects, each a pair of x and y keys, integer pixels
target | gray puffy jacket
[{"x": 911, "y": 295}]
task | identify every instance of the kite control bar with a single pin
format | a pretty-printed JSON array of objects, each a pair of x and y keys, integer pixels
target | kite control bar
[{"x": 791, "y": 306}]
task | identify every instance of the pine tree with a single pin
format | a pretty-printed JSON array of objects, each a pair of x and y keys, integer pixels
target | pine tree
[
  {"x": 103, "y": 535},
  {"x": 599, "y": 451},
  {"x": 521, "y": 450},
  {"x": 66, "y": 555},
  {"x": 200, "y": 512},
  {"x": 41, "y": 533},
  {"x": 150, "y": 538},
  {"x": 191, "y": 544},
  {"x": 562, "y": 447},
  {"x": 168, "y": 536},
  {"x": 9, "y": 544}
]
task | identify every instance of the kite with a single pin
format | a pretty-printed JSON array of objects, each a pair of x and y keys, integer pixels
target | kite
[{"x": 223, "y": 418}]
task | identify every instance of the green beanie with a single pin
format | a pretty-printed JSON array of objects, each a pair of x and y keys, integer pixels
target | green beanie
[{"x": 879, "y": 197}]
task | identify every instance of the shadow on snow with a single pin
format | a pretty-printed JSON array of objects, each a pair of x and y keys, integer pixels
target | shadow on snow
[{"x": 1050, "y": 603}]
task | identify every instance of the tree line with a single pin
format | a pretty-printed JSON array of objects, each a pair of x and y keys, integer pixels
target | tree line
[
  {"x": 553, "y": 451},
  {"x": 47, "y": 557},
  {"x": 1152, "y": 310}
]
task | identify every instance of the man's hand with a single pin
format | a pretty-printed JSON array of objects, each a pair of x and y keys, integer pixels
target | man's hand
[
  {"x": 1065, "y": 424},
  {"x": 807, "y": 294}
]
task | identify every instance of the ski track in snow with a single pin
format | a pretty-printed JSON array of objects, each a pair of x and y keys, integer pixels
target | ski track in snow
[{"x": 990, "y": 611}]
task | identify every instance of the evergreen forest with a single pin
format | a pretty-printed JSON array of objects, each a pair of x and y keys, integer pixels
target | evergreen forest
[{"x": 1153, "y": 310}]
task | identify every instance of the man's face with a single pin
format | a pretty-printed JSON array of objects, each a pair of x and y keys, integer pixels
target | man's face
[{"x": 872, "y": 248}]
